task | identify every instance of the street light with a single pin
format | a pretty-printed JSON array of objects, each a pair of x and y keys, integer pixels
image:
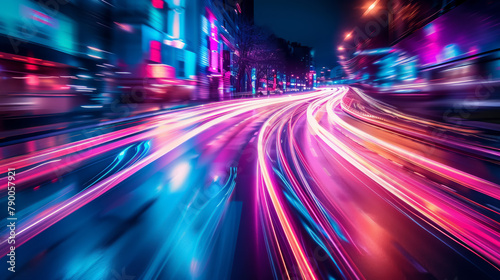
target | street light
[
  {"x": 370, "y": 8},
  {"x": 340, "y": 48}
]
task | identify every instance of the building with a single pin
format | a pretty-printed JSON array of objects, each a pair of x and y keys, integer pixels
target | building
[
  {"x": 126, "y": 50},
  {"x": 155, "y": 45},
  {"x": 218, "y": 48},
  {"x": 403, "y": 41},
  {"x": 47, "y": 53},
  {"x": 300, "y": 72}
]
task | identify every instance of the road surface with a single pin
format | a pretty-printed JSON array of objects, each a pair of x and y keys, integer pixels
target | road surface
[{"x": 329, "y": 184}]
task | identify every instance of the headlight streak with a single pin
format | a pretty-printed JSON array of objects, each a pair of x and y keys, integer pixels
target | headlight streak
[
  {"x": 277, "y": 127},
  {"x": 37, "y": 222},
  {"x": 443, "y": 170},
  {"x": 469, "y": 227},
  {"x": 89, "y": 194},
  {"x": 392, "y": 112},
  {"x": 185, "y": 117},
  {"x": 306, "y": 193},
  {"x": 456, "y": 217},
  {"x": 327, "y": 223},
  {"x": 203, "y": 241},
  {"x": 308, "y": 148},
  {"x": 406, "y": 126},
  {"x": 158, "y": 125},
  {"x": 270, "y": 186}
]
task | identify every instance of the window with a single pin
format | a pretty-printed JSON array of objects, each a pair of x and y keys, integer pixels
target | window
[
  {"x": 157, "y": 4},
  {"x": 180, "y": 69},
  {"x": 155, "y": 51}
]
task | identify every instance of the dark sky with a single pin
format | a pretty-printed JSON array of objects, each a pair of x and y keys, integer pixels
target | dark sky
[{"x": 315, "y": 23}]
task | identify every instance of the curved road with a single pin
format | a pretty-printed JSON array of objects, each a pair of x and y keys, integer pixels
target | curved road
[{"x": 330, "y": 184}]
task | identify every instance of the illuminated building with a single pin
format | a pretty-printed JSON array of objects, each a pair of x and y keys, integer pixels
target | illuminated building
[
  {"x": 299, "y": 66},
  {"x": 415, "y": 41},
  {"x": 153, "y": 49},
  {"x": 219, "y": 26},
  {"x": 56, "y": 49}
]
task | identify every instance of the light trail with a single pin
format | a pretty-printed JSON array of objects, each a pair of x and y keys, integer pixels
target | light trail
[{"x": 342, "y": 186}]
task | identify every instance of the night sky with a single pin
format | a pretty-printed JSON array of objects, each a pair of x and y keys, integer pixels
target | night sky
[{"x": 314, "y": 23}]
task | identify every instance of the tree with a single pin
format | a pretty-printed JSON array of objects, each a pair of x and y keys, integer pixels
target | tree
[{"x": 257, "y": 48}]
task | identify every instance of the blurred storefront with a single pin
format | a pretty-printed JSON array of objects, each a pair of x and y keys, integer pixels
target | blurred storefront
[
  {"x": 218, "y": 49},
  {"x": 417, "y": 44},
  {"x": 127, "y": 51},
  {"x": 49, "y": 64},
  {"x": 154, "y": 52}
]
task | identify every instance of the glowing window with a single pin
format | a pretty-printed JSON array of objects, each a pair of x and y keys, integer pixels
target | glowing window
[
  {"x": 155, "y": 51},
  {"x": 157, "y": 4}
]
